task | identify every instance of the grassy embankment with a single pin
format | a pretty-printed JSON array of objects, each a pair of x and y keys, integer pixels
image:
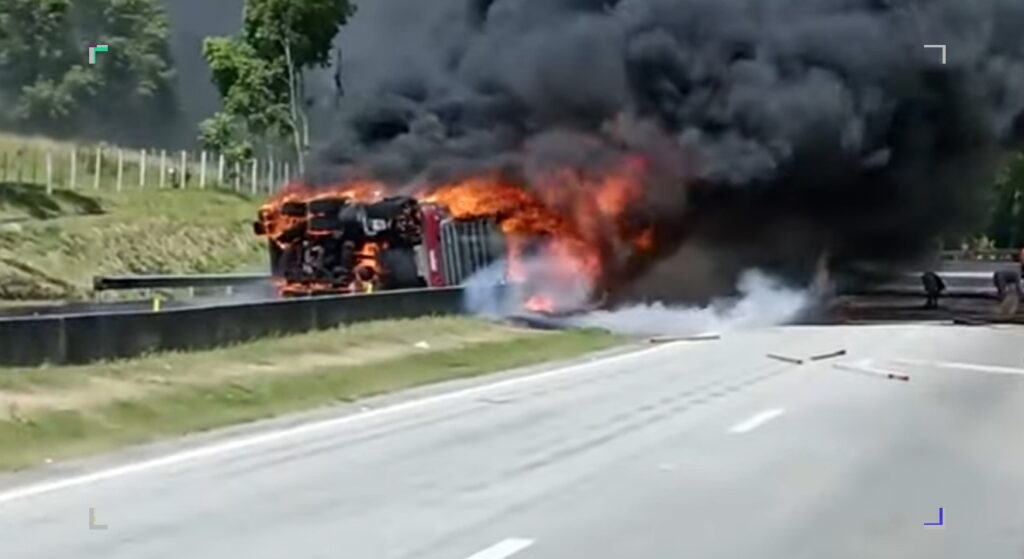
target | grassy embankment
[
  {"x": 52, "y": 243},
  {"x": 61, "y": 412}
]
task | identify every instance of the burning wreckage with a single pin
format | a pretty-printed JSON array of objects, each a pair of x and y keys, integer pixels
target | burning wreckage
[
  {"x": 343, "y": 242},
  {"x": 560, "y": 246}
]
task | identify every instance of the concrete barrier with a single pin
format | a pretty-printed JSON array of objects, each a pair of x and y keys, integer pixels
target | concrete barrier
[{"x": 84, "y": 338}]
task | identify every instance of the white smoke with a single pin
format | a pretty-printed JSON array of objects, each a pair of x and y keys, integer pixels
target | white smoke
[
  {"x": 762, "y": 301},
  {"x": 489, "y": 294}
]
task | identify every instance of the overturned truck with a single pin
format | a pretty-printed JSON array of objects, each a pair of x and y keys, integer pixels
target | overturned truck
[{"x": 338, "y": 244}]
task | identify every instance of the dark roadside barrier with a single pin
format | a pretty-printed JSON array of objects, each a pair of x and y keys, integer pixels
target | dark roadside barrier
[
  {"x": 111, "y": 283},
  {"x": 84, "y": 338}
]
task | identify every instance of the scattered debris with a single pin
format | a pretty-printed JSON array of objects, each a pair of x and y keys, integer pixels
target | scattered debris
[
  {"x": 777, "y": 357},
  {"x": 823, "y": 356},
  {"x": 691, "y": 338},
  {"x": 869, "y": 370}
]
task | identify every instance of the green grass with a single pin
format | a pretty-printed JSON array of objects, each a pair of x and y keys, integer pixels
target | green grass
[
  {"x": 61, "y": 222},
  {"x": 113, "y": 405},
  {"x": 51, "y": 245}
]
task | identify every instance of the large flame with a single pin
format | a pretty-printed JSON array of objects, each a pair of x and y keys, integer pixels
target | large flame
[{"x": 575, "y": 225}]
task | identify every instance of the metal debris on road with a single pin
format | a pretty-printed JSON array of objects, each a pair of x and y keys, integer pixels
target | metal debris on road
[
  {"x": 866, "y": 369},
  {"x": 692, "y": 338},
  {"x": 777, "y": 357},
  {"x": 823, "y": 356}
]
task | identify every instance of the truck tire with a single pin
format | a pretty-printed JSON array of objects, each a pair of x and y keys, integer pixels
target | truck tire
[
  {"x": 324, "y": 223},
  {"x": 294, "y": 209},
  {"x": 398, "y": 269},
  {"x": 326, "y": 206}
]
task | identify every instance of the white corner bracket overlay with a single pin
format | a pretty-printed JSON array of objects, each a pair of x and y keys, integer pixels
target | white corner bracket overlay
[{"x": 943, "y": 47}]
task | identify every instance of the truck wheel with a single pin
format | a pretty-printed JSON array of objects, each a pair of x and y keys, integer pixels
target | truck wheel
[
  {"x": 398, "y": 269},
  {"x": 324, "y": 223},
  {"x": 294, "y": 209}
]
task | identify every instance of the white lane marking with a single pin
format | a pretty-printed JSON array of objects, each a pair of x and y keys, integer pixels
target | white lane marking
[
  {"x": 961, "y": 366},
  {"x": 307, "y": 428},
  {"x": 756, "y": 421},
  {"x": 503, "y": 549}
]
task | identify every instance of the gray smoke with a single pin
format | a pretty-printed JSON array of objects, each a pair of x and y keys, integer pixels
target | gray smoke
[
  {"x": 761, "y": 301},
  {"x": 824, "y": 121}
]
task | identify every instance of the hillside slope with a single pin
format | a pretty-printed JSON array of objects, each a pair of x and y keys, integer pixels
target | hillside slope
[{"x": 51, "y": 245}]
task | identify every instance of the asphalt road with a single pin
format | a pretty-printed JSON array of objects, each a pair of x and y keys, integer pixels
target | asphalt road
[{"x": 703, "y": 449}]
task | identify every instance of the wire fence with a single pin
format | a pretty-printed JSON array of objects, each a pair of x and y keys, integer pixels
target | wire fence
[{"x": 105, "y": 167}]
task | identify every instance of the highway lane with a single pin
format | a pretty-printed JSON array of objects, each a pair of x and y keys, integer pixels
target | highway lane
[{"x": 690, "y": 449}]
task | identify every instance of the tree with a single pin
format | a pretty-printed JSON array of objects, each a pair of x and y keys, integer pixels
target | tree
[
  {"x": 259, "y": 73},
  {"x": 1006, "y": 225},
  {"x": 46, "y": 84}
]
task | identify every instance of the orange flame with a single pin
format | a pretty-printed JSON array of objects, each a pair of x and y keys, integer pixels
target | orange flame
[{"x": 589, "y": 225}]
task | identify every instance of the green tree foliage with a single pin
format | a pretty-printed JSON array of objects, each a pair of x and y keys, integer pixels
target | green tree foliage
[
  {"x": 47, "y": 85},
  {"x": 259, "y": 73},
  {"x": 1006, "y": 225}
]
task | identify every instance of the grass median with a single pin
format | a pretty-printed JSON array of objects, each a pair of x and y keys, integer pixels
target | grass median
[{"x": 61, "y": 412}]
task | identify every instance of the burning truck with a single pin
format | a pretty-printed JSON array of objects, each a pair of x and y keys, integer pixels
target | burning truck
[
  {"x": 353, "y": 242},
  {"x": 560, "y": 240}
]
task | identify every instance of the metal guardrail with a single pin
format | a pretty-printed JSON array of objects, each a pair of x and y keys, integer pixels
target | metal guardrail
[
  {"x": 84, "y": 338},
  {"x": 111, "y": 283}
]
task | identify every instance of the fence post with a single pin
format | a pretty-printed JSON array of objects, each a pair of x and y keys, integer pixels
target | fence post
[
  {"x": 99, "y": 163},
  {"x": 220, "y": 170},
  {"x": 49, "y": 172},
  {"x": 142, "y": 169},
  {"x": 72, "y": 180},
  {"x": 120, "y": 168},
  {"x": 270, "y": 175},
  {"x": 238, "y": 176},
  {"x": 183, "y": 177},
  {"x": 287, "y": 177},
  {"x": 163, "y": 167},
  {"x": 202, "y": 169},
  {"x": 255, "y": 166}
]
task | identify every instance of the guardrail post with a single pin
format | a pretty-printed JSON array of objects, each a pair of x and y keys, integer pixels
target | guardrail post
[
  {"x": 99, "y": 164},
  {"x": 202, "y": 169},
  {"x": 120, "y": 168},
  {"x": 142, "y": 169}
]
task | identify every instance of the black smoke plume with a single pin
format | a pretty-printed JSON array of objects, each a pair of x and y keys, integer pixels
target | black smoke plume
[{"x": 779, "y": 129}]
